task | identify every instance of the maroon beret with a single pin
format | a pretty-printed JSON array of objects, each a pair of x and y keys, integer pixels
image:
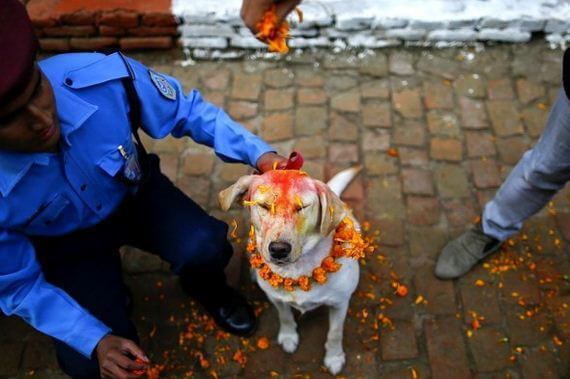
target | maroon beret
[{"x": 18, "y": 46}]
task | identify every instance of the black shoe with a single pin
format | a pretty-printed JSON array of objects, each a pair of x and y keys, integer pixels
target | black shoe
[
  {"x": 229, "y": 309},
  {"x": 232, "y": 313},
  {"x": 129, "y": 300}
]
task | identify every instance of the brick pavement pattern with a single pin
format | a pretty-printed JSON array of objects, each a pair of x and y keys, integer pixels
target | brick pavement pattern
[{"x": 436, "y": 131}]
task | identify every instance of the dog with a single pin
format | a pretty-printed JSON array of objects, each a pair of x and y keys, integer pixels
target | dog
[{"x": 293, "y": 218}]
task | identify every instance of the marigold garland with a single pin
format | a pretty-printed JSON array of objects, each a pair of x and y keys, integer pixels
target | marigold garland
[{"x": 347, "y": 242}]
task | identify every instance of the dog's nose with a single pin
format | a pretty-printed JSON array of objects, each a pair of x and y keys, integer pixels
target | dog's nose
[{"x": 279, "y": 249}]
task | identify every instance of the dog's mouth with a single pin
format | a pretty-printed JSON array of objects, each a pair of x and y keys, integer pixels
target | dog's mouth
[{"x": 280, "y": 262}]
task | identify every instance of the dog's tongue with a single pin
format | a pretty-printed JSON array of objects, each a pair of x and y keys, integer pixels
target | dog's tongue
[{"x": 295, "y": 161}]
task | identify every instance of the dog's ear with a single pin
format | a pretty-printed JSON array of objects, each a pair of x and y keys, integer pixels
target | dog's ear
[
  {"x": 332, "y": 210},
  {"x": 227, "y": 197}
]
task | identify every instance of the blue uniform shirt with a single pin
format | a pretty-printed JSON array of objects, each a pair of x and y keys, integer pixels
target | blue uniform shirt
[{"x": 52, "y": 194}]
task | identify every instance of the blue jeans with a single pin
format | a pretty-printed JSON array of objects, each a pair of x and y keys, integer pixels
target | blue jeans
[
  {"x": 159, "y": 219},
  {"x": 542, "y": 171}
]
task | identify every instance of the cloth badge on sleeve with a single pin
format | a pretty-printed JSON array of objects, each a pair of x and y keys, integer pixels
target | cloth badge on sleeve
[{"x": 163, "y": 86}]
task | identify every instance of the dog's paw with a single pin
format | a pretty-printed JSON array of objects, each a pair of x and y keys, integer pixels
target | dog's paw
[
  {"x": 288, "y": 341},
  {"x": 335, "y": 363}
]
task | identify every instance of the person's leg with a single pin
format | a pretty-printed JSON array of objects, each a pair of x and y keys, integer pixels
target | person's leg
[
  {"x": 537, "y": 177},
  {"x": 86, "y": 264},
  {"x": 167, "y": 222}
]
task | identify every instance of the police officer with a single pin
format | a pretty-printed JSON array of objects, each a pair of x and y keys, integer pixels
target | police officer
[{"x": 74, "y": 187}]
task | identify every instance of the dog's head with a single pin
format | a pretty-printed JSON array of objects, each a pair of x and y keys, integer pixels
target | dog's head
[{"x": 291, "y": 212}]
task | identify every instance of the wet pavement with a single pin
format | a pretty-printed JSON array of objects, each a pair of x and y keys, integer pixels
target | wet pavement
[{"x": 436, "y": 131}]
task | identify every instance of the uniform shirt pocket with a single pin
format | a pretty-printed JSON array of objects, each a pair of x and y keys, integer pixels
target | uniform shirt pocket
[
  {"x": 114, "y": 161},
  {"x": 47, "y": 214}
]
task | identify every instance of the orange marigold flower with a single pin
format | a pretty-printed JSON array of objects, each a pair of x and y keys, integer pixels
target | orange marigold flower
[
  {"x": 337, "y": 251},
  {"x": 479, "y": 283},
  {"x": 265, "y": 272},
  {"x": 256, "y": 261},
  {"x": 401, "y": 290},
  {"x": 288, "y": 284},
  {"x": 475, "y": 324},
  {"x": 139, "y": 372},
  {"x": 304, "y": 283},
  {"x": 320, "y": 275},
  {"x": 203, "y": 361},
  {"x": 275, "y": 280},
  {"x": 251, "y": 245},
  {"x": 275, "y": 37},
  {"x": 263, "y": 343},
  {"x": 240, "y": 357},
  {"x": 393, "y": 152},
  {"x": 154, "y": 372},
  {"x": 330, "y": 265}
]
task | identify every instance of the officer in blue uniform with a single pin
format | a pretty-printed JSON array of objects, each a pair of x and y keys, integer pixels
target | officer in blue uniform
[{"x": 74, "y": 188}]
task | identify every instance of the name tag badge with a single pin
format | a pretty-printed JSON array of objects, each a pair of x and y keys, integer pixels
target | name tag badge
[{"x": 131, "y": 169}]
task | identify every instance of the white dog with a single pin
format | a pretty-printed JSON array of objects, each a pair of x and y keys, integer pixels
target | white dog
[{"x": 293, "y": 218}]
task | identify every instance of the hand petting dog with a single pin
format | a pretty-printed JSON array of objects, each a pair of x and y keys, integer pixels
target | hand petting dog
[{"x": 270, "y": 161}]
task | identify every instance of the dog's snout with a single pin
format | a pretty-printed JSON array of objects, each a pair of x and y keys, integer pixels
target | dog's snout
[{"x": 279, "y": 249}]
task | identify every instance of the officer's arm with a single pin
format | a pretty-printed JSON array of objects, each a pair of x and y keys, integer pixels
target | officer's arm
[
  {"x": 166, "y": 110},
  {"x": 24, "y": 292}
]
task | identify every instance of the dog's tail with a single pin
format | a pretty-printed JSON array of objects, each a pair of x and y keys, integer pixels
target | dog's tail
[{"x": 340, "y": 181}]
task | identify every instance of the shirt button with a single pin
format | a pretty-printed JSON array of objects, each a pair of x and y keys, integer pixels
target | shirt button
[
  {"x": 99, "y": 207},
  {"x": 83, "y": 187},
  {"x": 68, "y": 81}
]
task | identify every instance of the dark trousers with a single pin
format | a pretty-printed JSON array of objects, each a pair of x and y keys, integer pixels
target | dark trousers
[{"x": 159, "y": 219}]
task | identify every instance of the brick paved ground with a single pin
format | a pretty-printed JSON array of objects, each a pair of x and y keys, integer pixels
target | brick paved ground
[{"x": 458, "y": 119}]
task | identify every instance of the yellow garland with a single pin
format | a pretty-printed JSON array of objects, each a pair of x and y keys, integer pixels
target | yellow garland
[{"x": 347, "y": 242}]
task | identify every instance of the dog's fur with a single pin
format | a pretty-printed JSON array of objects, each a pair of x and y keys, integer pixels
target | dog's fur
[{"x": 304, "y": 215}]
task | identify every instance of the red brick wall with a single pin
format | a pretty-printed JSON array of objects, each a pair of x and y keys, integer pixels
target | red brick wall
[{"x": 64, "y": 25}]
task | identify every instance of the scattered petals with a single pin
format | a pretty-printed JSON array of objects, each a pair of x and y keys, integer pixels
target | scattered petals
[
  {"x": 240, "y": 357},
  {"x": 263, "y": 343},
  {"x": 414, "y": 374},
  {"x": 479, "y": 283}
]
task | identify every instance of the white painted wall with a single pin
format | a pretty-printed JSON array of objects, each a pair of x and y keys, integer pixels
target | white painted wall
[
  {"x": 426, "y": 10},
  {"x": 215, "y": 24}
]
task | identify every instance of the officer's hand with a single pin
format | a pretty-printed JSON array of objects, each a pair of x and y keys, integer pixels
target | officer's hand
[
  {"x": 270, "y": 161},
  {"x": 114, "y": 355},
  {"x": 252, "y": 11}
]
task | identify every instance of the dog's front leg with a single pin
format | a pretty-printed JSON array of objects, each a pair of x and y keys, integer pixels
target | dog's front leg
[
  {"x": 288, "y": 337},
  {"x": 334, "y": 357}
]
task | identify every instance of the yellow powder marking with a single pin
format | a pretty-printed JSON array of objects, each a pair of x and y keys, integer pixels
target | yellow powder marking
[{"x": 299, "y": 202}]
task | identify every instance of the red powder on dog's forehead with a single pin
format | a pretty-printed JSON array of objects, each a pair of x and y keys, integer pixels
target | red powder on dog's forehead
[
  {"x": 286, "y": 186},
  {"x": 288, "y": 180}
]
